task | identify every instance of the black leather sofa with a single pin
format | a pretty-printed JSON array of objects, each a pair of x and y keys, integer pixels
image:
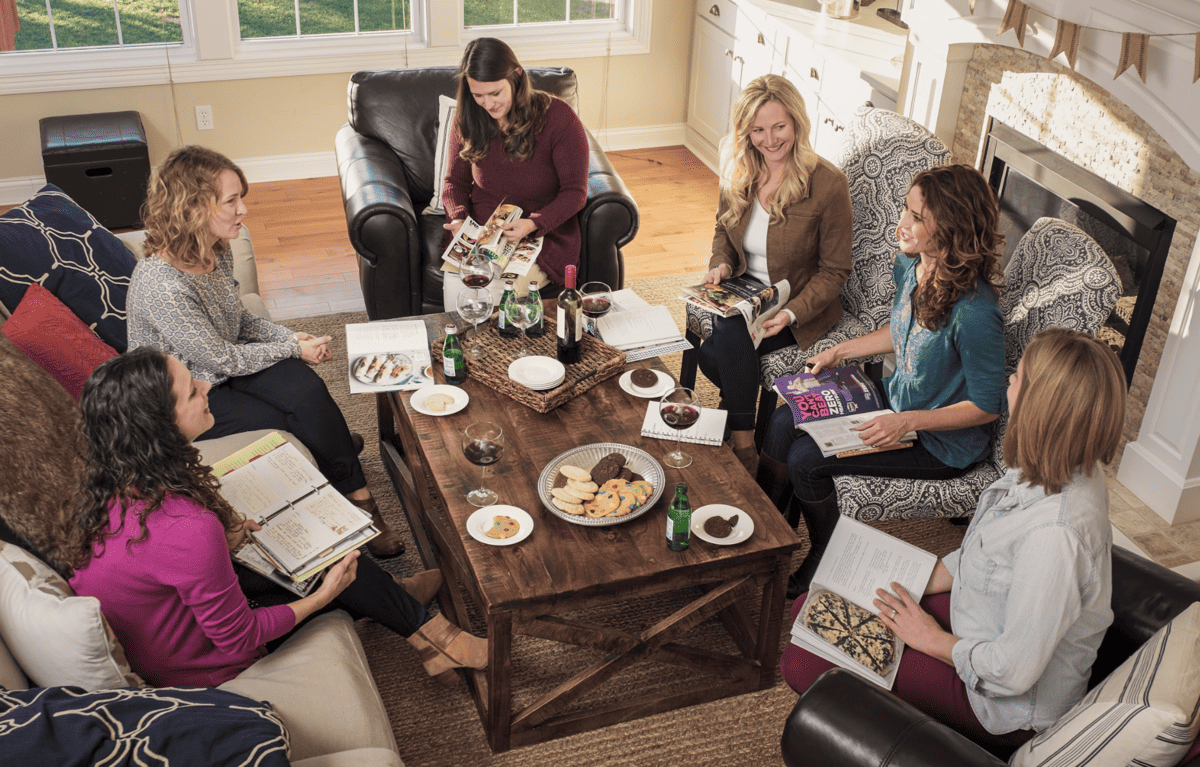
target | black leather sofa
[
  {"x": 846, "y": 721},
  {"x": 385, "y": 157}
]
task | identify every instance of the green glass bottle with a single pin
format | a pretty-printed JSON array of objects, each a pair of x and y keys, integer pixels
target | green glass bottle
[
  {"x": 538, "y": 329},
  {"x": 454, "y": 364},
  {"x": 679, "y": 520},
  {"x": 504, "y": 326}
]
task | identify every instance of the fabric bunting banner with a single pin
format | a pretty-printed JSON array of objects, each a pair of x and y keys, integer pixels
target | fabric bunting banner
[
  {"x": 1133, "y": 52},
  {"x": 1015, "y": 19},
  {"x": 1066, "y": 40}
]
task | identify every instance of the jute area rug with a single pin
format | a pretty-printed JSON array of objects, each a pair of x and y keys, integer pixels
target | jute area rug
[{"x": 439, "y": 726}]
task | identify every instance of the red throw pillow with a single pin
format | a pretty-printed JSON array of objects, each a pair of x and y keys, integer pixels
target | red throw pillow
[{"x": 50, "y": 335}]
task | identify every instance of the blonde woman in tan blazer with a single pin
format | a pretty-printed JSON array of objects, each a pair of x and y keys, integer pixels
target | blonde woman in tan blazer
[{"x": 784, "y": 213}]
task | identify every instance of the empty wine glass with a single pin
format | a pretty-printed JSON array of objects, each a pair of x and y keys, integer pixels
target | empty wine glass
[
  {"x": 524, "y": 312},
  {"x": 483, "y": 444},
  {"x": 597, "y": 301},
  {"x": 476, "y": 269},
  {"x": 475, "y": 306},
  {"x": 679, "y": 408}
]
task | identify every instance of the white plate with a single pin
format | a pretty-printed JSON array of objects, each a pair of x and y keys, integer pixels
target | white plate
[
  {"x": 398, "y": 359},
  {"x": 665, "y": 384},
  {"x": 460, "y": 399},
  {"x": 481, "y": 520},
  {"x": 537, "y": 372},
  {"x": 587, "y": 456},
  {"x": 741, "y": 531}
]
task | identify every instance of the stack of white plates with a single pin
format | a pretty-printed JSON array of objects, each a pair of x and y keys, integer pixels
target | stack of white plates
[{"x": 537, "y": 373}]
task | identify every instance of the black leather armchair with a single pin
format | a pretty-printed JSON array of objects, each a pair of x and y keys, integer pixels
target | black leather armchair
[
  {"x": 385, "y": 156},
  {"x": 845, "y": 720}
]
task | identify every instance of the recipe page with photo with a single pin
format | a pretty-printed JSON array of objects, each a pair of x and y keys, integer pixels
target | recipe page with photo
[{"x": 387, "y": 356}]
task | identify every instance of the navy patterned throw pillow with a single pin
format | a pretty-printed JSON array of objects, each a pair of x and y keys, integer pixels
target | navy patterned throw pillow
[
  {"x": 137, "y": 727},
  {"x": 53, "y": 241}
]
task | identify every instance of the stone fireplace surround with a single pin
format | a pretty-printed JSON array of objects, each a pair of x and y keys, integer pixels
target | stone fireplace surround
[{"x": 1142, "y": 137}]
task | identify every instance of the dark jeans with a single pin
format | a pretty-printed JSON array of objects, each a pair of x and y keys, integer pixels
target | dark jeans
[
  {"x": 290, "y": 396},
  {"x": 923, "y": 682},
  {"x": 730, "y": 361},
  {"x": 373, "y": 594},
  {"x": 812, "y": 474}
]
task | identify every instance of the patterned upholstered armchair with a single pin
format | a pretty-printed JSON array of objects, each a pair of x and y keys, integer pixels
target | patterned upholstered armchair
[
  {"x": 1057, "y": 276},
  {"x": 880, "y": 155}
]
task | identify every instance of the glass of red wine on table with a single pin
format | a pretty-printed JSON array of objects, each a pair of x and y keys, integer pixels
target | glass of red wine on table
[
  {"x": 597, "y": 301},
  {"x": 679, "y": 409},
  {"x": 483, "y": 445}
]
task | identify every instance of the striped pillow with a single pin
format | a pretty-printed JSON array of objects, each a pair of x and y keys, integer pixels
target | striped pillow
[
  {"x": 441, "y": 160},
  {"x": 1143, "y": 715}
]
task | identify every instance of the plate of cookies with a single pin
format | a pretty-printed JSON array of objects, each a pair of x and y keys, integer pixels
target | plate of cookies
[
  {"x": 500, "y": 525},
  {"x": 439, "y": 400},
  {"x": 601, "y": 484}
]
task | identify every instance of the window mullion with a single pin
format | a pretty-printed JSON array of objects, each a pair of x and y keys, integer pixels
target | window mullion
[
  {"x": 297, "y": 7},
  {"x": 53, "y": 35},
  {"x": 357, "y": 27},
  {"x": 117, "y": 17}
]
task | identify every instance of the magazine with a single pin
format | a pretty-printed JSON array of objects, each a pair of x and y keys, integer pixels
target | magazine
[
  {"x": 510, "y": 258},
  {"x": 388, "y": 356},
  {"x": 858, "y": 560},
  {"x": 754, "y": 300},
  {"x": 306, "y": 524},
  {"x": 832, "y": 405}
]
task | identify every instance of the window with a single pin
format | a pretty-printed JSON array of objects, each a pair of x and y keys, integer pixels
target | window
[
  {"x": 59, "y": 24},
  {"x": 477, "y": 13},
  {"x": 293, "y": 18}
]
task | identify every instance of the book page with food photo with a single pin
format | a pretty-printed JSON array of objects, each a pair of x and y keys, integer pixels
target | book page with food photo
[
  {"x": 488, "y": 240},
  {"x": 833, "y": 405},
  {"x": 388, "y": 356},
  {"x": 744, "y": 295}
]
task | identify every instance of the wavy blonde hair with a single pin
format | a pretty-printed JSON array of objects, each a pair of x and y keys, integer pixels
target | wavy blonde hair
[
  {"x": 182, "y": 193},
  {"x": 1070, "y": 410},
  {"x": 742, "y": 165}
]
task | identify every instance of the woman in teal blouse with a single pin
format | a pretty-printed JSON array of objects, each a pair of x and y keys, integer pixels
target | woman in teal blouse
[{"x": 948, "y": 337}]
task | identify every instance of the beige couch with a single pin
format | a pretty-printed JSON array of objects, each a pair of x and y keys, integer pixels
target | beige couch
[{"x": 318, "y": 681}]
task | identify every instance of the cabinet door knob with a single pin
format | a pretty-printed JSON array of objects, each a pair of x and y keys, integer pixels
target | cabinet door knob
[
  {"x": 828, "y": 121},
  {"x": 728, "y": 52},
  {"x": 761, "y": 40},
  {"x": 715, "y": 11},
  {"x": 739, "y": 59},
  {"x": 812, "y": 73}
]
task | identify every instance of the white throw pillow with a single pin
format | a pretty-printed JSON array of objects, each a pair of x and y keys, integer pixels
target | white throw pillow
[
  {"x": 441, "y": 159},
  {"x": 56, "y": 637},
  {"x": 1143, "y": 714}
]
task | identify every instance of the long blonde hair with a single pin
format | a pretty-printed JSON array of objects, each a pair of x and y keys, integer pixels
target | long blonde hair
[
  {"x": 182, "y": 193},
  {"x": 742, "y": 165}
]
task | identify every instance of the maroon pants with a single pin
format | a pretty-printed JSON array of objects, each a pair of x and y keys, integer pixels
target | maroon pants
[{"x": 923, "y": 682}]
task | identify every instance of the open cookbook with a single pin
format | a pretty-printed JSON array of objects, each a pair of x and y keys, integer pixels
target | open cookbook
[
  {"x": 488, "y": 238},
  {"x": 389, "y": 355},
  {"x": 306, "y": 524},
  {"x": 832, "y": 405},
  {"x": 744, "y": 295},
  {"x": 637, "y": 328},
  {"x": 839, "y": 620}
]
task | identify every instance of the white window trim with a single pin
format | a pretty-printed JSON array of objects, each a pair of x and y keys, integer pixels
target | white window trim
[{"x": 219, "y": 54}]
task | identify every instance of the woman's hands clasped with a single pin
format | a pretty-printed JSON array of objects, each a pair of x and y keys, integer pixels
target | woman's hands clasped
[{"x": 314, "y": 349}]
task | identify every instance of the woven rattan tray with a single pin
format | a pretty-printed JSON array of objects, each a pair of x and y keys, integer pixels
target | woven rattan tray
[{"x": 598, "y": 363}]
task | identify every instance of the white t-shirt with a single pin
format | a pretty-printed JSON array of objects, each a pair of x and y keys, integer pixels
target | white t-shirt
[{"x": 754, "y": 243}]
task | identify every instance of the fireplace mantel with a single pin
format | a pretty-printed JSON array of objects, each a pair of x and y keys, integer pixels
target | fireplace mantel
[{"x": 1163, "y": 465}]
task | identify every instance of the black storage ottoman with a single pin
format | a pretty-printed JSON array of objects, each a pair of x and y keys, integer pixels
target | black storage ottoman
[{"x": 101, "y": 161}]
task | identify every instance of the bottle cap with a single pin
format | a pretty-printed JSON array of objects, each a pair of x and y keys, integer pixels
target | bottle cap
[
  {"x": 508, "y": 284},
  {"x": 570, "y": 277},
  {"x": 451, "y": 329}
]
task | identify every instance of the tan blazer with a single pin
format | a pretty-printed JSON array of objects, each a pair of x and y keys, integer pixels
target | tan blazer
[{"x": 811, "y": 249}]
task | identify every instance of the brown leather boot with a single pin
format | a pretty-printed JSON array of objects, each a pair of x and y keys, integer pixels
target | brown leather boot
[
  {"x": 444, "y": 647},
  {"x": 387, "y": 544},
  {"x": 422, "y": 587}
]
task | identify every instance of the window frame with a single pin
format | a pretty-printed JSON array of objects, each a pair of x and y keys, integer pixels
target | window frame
[{"x": 212, "y": 49}]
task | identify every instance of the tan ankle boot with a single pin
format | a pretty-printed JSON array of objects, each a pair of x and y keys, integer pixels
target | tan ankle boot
[
  {"x": 444, "y": 647},
  {"x": 388, "y": 543},
  {"x": 422, "y": 587}
]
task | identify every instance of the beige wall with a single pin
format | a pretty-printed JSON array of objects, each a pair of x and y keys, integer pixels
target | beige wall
[{"x": 299, "y": 115}]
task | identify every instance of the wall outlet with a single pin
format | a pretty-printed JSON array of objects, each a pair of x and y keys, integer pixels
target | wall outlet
[{"x": 204, "y": 118}]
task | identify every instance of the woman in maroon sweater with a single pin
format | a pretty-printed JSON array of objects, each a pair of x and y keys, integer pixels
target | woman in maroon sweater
[{"x": 514, "y": 144}]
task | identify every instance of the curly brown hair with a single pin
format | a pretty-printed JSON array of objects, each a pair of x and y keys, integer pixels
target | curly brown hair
[
  {"x": 135, "y": 451},
  {"x": 965, "y": 217},
  {"x": 181, "y": 194},
  {"x": 489, "y": 60}
]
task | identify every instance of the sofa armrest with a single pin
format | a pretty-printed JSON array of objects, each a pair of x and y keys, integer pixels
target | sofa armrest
[
  {"x": 845, "y": 720},
  {"x": 608, "y": 221}
]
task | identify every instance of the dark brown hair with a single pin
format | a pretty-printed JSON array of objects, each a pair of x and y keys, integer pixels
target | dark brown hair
[
  {"x": 489, "y": 60},
  {"x": 965, "y": 220}
]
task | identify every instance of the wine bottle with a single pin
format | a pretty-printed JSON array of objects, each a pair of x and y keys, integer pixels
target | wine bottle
[
  {"x": 454, "y": 364},
  {"x": 679, "y": 520},
  {"x": 506, "y": 328},
  {"x": 538, "y": 330},
  {"x": 570, "y": 324}
]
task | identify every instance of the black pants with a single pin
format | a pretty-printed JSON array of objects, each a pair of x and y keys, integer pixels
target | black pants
[
  {"x": 728, "y": 359},
  {"x": 290, "y": 396},
  {"x": 373, "y": 594}
]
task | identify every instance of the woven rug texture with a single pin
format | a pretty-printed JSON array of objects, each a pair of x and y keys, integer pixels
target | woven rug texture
[{"x": 437, "y": 726}]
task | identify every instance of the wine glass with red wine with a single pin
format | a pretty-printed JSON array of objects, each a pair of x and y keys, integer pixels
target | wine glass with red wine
[
  {"x": 477, "y": 270},
  {"x": 597, "y": 301},
  {"x": 483, "y": 445},
  {"x": 679, "y": 408}
]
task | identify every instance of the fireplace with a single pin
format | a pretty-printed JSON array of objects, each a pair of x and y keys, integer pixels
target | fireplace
[{"x": 1031, "y": 181}]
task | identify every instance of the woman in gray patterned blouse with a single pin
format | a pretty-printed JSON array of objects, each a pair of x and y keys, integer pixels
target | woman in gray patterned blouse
[{"x": 183, "y": 300}]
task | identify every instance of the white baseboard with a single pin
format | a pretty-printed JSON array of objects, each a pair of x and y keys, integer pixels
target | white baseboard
[
  {"x": 616, "y": 139},
  {"x": 14, "y": 191},
  {"x": 286, "y": 167}
]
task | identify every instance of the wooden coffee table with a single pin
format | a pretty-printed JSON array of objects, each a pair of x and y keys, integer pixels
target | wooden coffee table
[{"x": 530, "y": 587}]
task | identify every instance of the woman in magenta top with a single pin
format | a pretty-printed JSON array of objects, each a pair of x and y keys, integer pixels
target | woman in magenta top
[
  {"x": 512, "y": 143},
  {"x": 154, "y": 539}
]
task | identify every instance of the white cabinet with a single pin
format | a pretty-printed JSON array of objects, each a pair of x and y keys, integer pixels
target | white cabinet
[{"x": 712, "y": 81}]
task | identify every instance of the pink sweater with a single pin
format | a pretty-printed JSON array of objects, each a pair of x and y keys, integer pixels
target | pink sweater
[
  {"x": 550, "y": 187},
  {"x": 174, "y": 602}
]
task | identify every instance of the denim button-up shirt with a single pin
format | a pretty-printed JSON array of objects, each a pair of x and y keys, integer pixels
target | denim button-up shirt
[{"x": 1031, "y": 599}]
